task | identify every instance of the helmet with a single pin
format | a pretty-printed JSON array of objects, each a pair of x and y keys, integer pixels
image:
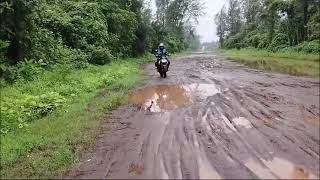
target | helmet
[{"x": 161, "y": 45}]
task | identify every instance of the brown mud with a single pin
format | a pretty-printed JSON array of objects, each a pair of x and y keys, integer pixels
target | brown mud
[{"x": 211, "y": 118}]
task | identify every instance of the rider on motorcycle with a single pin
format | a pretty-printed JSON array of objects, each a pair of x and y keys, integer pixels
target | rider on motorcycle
[{"x": 162, "y": 51}]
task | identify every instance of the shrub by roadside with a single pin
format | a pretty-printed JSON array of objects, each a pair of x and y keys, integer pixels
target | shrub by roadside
[
  {"x": 47, "y": 122},
  {"x": 289, "y": 62}
]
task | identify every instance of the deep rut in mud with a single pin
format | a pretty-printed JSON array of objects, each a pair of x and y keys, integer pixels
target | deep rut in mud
[{"x": 211, "y": 118}]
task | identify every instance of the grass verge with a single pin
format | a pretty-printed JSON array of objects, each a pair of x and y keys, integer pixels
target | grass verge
[
  {"x": 293, "y": 63},
  {"x": 46, "y": 146}
]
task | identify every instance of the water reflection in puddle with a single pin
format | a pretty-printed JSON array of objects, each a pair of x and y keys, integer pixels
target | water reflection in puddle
[
  {"x": 164, "y": 98},
  {"x": 161, "y": 98}
]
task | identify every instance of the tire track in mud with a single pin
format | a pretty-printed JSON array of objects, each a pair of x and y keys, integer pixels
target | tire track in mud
[{"x": 211, "y": 119}]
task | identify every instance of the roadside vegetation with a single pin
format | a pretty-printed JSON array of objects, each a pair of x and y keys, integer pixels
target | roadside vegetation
[
  {"x": 293, "y": 63},
  {"x": 49, "y": 121},
  {"x": 275, "y": 35},
  {"x": 65, "y": 64}
]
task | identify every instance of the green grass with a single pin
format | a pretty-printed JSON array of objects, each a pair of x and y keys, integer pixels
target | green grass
[
  {"x": 48, "y": 145},
  {"x": 293, "y": 63}
]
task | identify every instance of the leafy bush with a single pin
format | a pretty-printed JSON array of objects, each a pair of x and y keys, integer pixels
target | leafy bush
[
  {"x": 229, "y": 43},
  {"x": 235, "y": 41},
  {"x": 263, "y": 42},
  {"x": 24, "y": 70},
  {"x": 280, "y": 41},
  {"x": 173, "y": 43},
  {"x": 27, "y": 102},
  {"x": 16, "y": 112},
  {"x": 80, "y": 60},
  {"x": 99, "y": 55},
  {"x": 253, "y": 39},
  {"x": 3, "y": 47},
  {"x": 309, "y": 47}
]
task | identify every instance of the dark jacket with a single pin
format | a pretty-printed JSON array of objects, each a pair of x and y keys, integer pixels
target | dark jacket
[
  {"x": 162, "y": 52},
  {"x": 159, "y": 54}
]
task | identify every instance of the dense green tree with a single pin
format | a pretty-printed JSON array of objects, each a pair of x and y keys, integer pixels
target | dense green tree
[
  {"x": 313, "y": 25},
  {"x": 162, "y": 6},
  {"x": 221, "y": 21},
  {"x": 174, "y": 23},
  {"x": 15, "y": 26},
  {"x": 49, "y": 33},
  {"x": 272, "y": 24},
  {"x": 234, "y": 17},
  {"x": 251, "y": 12}
]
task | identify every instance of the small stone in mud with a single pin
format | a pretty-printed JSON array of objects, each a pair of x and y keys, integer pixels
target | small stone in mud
[
  {"x": 199, "y": 131},
  {"x": 136, "y": 169}
]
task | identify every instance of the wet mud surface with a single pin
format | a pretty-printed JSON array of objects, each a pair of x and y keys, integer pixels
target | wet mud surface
[{"x": 210, "y": 119}]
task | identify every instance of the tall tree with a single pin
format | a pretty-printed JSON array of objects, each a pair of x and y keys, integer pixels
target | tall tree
[
  {"x": 14, "y": 27},
  {"x": 252, "y": 11},
  {"x": 314, "y": 20},
  {"x": 181, "y": 11},
  {"x": 221, "y": 21},
  {"x": 234, "y": 17},
  {"x": 272, "y": 24},
  {"x": 173, "y": 20},
  {"x": 162, "y": 6}
]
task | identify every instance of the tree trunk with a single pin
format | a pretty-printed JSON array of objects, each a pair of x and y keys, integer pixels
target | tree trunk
[
  {"x": 221, "y": 41},
  {"x": 305, "y": 19},
  {"x": 16, "y": 49}
]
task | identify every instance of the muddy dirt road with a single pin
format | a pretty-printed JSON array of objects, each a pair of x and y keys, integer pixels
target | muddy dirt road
[{"x": 211, "y": 118}]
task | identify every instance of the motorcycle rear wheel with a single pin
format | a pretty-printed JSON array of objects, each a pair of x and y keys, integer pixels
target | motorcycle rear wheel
[{"x": 161, "y": 75}]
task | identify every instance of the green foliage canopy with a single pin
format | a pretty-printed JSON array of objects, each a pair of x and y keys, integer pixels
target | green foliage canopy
[{"x": 275, "y": 25}]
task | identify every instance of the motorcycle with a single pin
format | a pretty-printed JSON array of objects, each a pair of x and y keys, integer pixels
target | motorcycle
[{"x": 163, "y": 66}]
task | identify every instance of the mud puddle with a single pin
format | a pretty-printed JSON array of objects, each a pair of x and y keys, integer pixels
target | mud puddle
[{"x": 163, "y": 98}]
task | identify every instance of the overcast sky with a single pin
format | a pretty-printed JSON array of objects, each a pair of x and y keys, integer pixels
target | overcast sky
[{"x": 206, "y": 27}]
